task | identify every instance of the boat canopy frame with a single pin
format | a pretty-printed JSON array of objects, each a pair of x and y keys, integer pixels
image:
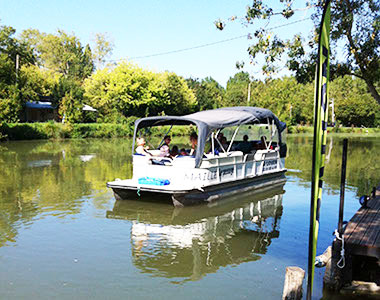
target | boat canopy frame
[{"x": 209, "y": 120}]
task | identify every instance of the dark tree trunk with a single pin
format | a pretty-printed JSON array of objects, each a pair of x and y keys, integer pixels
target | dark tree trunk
[
  {"x": 362, "y": 64},
  {"x": 373, "y": 90}
]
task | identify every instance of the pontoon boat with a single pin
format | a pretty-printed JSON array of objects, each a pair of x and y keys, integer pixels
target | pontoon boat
[{"x": 215, "y": 170}]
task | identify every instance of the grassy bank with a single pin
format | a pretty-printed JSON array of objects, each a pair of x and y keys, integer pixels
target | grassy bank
[
  {"x": 51, "y": 130},
  {"x": 310, "y": 129}
]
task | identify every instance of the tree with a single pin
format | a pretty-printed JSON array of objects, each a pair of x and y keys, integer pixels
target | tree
[
  {"x": 356, "y": 23},
  {"x": 237, "y": 90},
  {"x": 133, "y": 91},
  {"x": 208, "y": 92},
  {"x": 10, "y": 103},
  {"x": 10, "y": 97},
  {"x": 35, "y": 82},
  {"x": 62, "y": 53},
  {"x": 179, "y": 99},
  {"x": 102, "y": 49},
  {"x": 10, "y": 47},
  {"x": 292, "y": 102},
  {"x": 67, "y": 95},
  {"x": 353, "y": 104}
]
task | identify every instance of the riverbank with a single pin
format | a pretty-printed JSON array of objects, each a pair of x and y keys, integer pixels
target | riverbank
[
  {"x": 52, "y": 130},
  {"x": 310, "y": 129}
]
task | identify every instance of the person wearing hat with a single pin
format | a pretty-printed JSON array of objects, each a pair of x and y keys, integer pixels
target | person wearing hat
[{"x": 165, "y": 149}]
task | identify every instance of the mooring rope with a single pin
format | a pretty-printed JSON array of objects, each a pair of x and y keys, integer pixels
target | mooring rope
[{"x": 342, "y": 261}]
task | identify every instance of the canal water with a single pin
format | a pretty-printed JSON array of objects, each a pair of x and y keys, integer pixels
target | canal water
[{"x": 63, "y": 235}]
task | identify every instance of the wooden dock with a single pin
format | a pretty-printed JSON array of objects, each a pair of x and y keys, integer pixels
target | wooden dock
[
  {"x": 362, "y": 234},
  {"x": 361, "y": 260}
]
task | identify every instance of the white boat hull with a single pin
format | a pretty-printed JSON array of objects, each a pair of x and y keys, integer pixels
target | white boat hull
[{"x": 126, "y": 189}]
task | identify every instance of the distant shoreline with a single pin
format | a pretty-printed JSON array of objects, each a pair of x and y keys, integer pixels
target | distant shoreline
[{"x": 56, "y": 131}]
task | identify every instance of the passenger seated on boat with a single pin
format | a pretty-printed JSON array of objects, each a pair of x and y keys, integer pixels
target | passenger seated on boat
[
  {"x": 263, "y": 143},
  {"x": 174, "y": 152},
  {"x": 224, "y": 143},
  {"x": 183, "y": 152},
  {"x": 141, "y": 149},
  {"x": 164, "y": 149},
  {"x": 244, "y": 146},
  {"x": 220, "y": 136},
  {"x": 193, "y": 142}
]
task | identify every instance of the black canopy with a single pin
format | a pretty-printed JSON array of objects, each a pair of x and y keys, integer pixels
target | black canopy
[{"x": 209, "y": 120}]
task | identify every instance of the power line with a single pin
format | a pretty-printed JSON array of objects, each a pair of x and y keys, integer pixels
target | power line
[
  {"x": 206, "y": 45},
  {"x": 184, "y": 49}
]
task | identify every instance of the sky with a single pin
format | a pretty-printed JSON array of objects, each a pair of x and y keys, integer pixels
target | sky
[{"x": 144, "y": 28}]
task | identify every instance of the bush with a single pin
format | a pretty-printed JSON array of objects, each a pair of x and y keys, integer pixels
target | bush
[{"x": 52, "y": 130}]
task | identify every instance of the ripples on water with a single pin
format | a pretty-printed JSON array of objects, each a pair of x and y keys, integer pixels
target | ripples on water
[{"x": 62, "y": 234}]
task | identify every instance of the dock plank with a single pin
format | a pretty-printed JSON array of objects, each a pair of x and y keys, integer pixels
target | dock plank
[
  {"x": 376, "y": 243},
  {"x": 360, "y": 236},
  {"x": 353, "y": 223},
  {"x": 373, "y": 234},
  {"x": 362, "y": 232}
]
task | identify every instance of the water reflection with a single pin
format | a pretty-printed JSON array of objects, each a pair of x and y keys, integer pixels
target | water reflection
[
  {"x": 40, "y": 178},
  {"x": 191, "y": 242},
  {"x": 57, "y": 177},
  {"x": 363, "y": 159},
  {"x": 53, "y": 202}
]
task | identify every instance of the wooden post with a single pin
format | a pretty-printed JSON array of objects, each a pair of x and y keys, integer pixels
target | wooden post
[
  {"x": 342, "y": 186},
  {"x": 332, "y": 278},
  {"x": 293, "y": 283}
]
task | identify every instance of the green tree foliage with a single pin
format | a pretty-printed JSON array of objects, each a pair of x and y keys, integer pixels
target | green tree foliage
[
  {"x": 62, "y": 53},
  {"x": 208, "y": 91},
  {"x": 68, "y": 96},
  {"x": 354, "y": 105},
  {"x": 130, "y": 90},
  {"x": 290, "y": 101},
  {"x": 9, "y": 48},
  {"x": 35, "y": 82},
  {"x": 10, "y": 103},
  {"x": 178, "y": 97},
  {"x": 354, "y": 23},
  {"x": 237, "y": 90},
  {"x": 10, "y": 96},
  {"x": 293, "y": 102}
]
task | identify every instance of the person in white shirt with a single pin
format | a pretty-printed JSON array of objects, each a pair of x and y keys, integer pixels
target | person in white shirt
[
  {"x": 141, "y": 149},
  {"x": 165, "y": 149}
]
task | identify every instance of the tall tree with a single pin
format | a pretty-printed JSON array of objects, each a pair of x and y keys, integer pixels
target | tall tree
[
  {"x": 10, "y": 47},
  {"x": 102, "y": 49},
  {"x": 208, "y": 91},
  {"x": 237, "y": 90},
  {"x": 12, "y": 52},
  {"x": 354, "y": 23},
  {"x": 61, "y": 52}
]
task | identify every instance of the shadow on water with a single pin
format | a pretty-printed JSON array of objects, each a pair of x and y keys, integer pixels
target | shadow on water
[{"x": 191, "y": 242}]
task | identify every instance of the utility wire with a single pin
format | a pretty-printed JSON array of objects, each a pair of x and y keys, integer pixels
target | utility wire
[
  {"x": 191, "y": 48},
  {"x": 208, "y": 44}
]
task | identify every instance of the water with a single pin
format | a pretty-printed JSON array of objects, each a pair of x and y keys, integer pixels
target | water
[{"x": 63, "y": 235}]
